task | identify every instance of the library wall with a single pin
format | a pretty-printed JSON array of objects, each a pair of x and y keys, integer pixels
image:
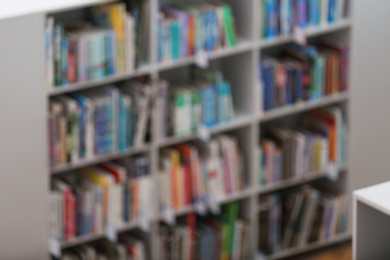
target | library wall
[{"x": 369, "y": 123}]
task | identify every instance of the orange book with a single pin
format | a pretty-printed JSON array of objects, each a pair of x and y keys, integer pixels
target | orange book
[
  {"x": 331, "y": 122},
  {"x": 175, "y": 161},
  {"x": 134, "y": 195},
  {"x": 185, "y": 150}
]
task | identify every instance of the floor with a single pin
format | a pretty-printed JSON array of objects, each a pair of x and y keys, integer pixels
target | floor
[{"x": 337, "y": 252}]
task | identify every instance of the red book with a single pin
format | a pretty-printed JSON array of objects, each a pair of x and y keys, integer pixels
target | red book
[
  {"x": 185, "y": 150},
  {"x": 72, "y": 62},
  {"x": 191, "y": 219},
  {"x": 72, "y": 215}
]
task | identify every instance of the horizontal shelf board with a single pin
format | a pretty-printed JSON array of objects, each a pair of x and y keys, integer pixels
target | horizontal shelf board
[
  {"x": 242, "y": 46},
  {"x": 310, "y": 32},
  {"x": 238, "y": 122},
  {"x": 277, "y": 113},
  {"x": 99, "y": 159},
  {"x": 99, "y": 82},
  {"x": 294, "y": 181},
  {"x": 93, "y": 237},
  {"x": 230, "y": 198},
  {"x": 81, "y": 240},
  {"x": 310, "y": 247}
]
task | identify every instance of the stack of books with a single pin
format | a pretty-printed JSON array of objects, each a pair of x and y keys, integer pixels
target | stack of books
[
  {"x": 223, "y": 236},
  {"x": 300, "y": 217},
  {"x": 304, "y": 73},
  {"x": 101, "y": 199},
  {"x": 202, "y": 173},
  {"x": 281, "y": 17},
  {"x": 185, "y": 29},
  {"x": 110, "y": 42},
  {"x": 128, "y": 247},
  {"x": 98, "y": 122},
  {"x": 316, "y": 145},
  {"x": 205, "y": 101}
]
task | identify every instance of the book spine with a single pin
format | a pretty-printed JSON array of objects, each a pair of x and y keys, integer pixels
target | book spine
[
  {"x": 58, "y": 34},
  {"x": 64, "y": 61},
  {"x": 72, "y": 67}
]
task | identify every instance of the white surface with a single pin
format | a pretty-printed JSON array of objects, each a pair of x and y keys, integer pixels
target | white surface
[
  {"x": 376, "y": 196},
  {"x": 11, "y": 8}
]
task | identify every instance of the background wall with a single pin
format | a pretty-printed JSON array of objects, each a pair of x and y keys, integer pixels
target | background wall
[{"x": 370, "y": 92}]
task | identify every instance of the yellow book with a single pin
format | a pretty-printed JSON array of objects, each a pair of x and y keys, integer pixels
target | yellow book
[
  {"x": 174, "y": 175},
  {"x": 106, "y": 181}
]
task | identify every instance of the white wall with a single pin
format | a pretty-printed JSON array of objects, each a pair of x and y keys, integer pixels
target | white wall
[{"x": 370, "y": 94}]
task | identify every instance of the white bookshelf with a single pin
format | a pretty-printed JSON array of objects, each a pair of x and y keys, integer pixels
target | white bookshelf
[
  {"x": 239, "y": 65},
  {"x": 371, "y": 219}
]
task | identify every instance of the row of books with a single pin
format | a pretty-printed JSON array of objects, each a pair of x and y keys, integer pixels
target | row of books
[
  {"x": 110, "y": 41},
  {"x": 97, "y": 122},
  {"x": 317, "y": 144},
  {"x": 200, "y": 174},
  {"x": 128, "y": 247},
  {"x": 101, "y": 199},
  {"x": 300, "y": 217},
  {"x": 204, "y": 101},
  {"x": 185, "y": 29},
  {"x": 304, "y": 73},
  {"x": 223, "y": 236},
  {"x": 282, "y": 17}
]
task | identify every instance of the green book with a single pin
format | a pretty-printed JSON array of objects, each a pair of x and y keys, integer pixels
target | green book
[
  {"x": 229, "y": 26},
  {"x": 196, "y": 110},
  {"x": 231, "y": 211}
]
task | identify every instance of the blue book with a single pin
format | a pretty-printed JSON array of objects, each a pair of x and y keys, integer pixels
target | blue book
[
  {"x": 81, "y": 100},
  {"x": 209, "y": 105},
  {"x": 214, "y": 29},
  {"x": 110, "y": 52},
  {"x": 301, "y": 13},
  {"x": 64, "y": 61},
  {"x": 271, "y": 86},
  {"x": 175, "y": 42},
  {"x": 332, "y": 11},
  {"x": 289, "y": 83},
  {"x": 299, "y": 85},
  {"x": 271, "y": 22},
  {"x": 123, "y": 123}
]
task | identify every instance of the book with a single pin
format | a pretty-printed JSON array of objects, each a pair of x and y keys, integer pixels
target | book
[
  {"x": 185, "y": 29},
  {"x": 202, "y": 173},
  {"x": 282, "y": 17},
  {"x": 112, "y": 40},
  {"x": 315, "y": 145},
  {"x": 298, "y": 217},
  {"x": 96, "y": 122}
]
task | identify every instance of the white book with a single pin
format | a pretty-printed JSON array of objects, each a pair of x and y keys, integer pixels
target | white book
[
  {"x": 90, "y": 129},
  {"x": 49, "y": 52},
  {"x": 144, "y": 110},
  {"x": 324, "y": 12},
  {"x": 308, "y": 217},
  {"x": 300, "y": 150},
  {"x": 335, "y": 217},
  {"x": 130, "y": 43},
  {"x": 54, "y": 210}
]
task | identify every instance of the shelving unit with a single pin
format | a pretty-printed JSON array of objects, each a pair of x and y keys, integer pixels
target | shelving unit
[{"x": 240, "y": 66}]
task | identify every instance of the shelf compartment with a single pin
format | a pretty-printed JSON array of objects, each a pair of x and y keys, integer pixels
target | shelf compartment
[
  {"x": 99, "y": 159},
  {"x": 310, "y": 32},
  {"x": 284, "y": 111}
]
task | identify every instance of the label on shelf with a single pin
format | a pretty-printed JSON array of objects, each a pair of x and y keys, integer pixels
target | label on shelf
[
  {"x": 54, "y": 247},
  {"x": 299, "y": 35},
  {"x": 201, "y": 59},
  {"x": 111, "y": 232},
  {"x": 204, "y": 133},
  {"x": 168, "y": 215},
  {"x": 200, "y": 208},
  {"x": 333, "y": 171}
]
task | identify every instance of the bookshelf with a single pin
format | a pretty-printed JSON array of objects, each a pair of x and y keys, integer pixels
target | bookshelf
[{"x": 239, "y": 65}]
